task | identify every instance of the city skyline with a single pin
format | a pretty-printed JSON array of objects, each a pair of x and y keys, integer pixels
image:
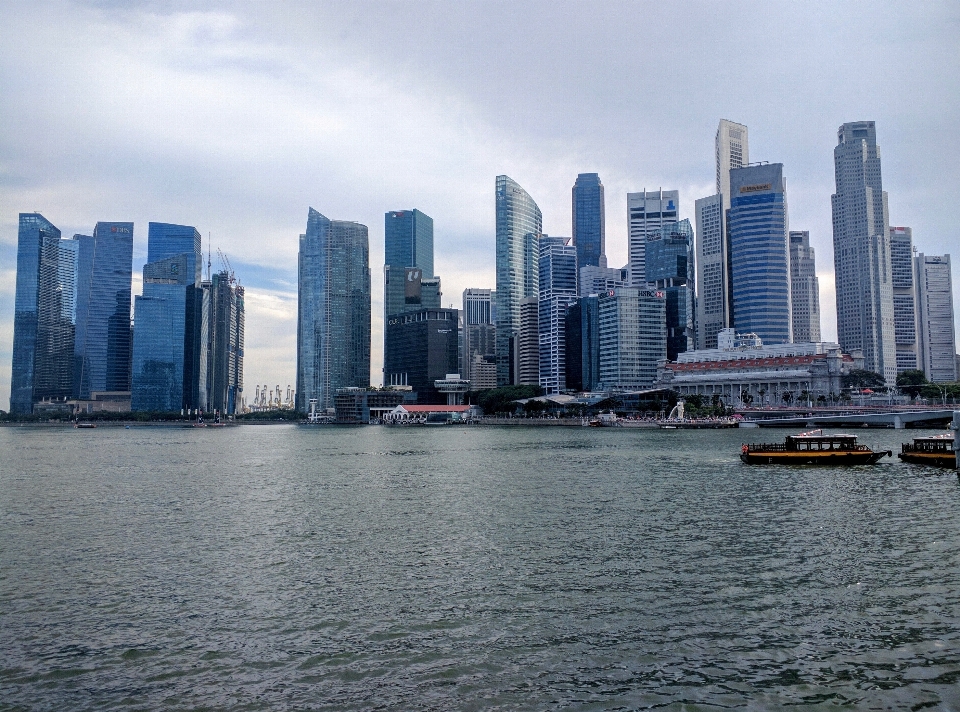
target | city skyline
[{"x": 89, "y": 148}]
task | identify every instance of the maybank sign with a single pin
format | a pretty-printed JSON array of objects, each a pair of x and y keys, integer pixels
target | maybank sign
[{"x": 759, "y": 187}]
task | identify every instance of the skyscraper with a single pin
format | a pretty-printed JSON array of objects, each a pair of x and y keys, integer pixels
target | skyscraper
[
  {"x": 408, "y": 242},
  {"x": 526, "y": 343},
  {"x": 669, "y": 267},
  {"x": 479, "y": 332},
  {"x": 582, "y": 336},
  {"x": 558, "y": 290},
  {"x": 103, "y": 354},
  {"x": 646, "y": 214},
  {"x": 333, "y": 320},
  {"x": 861, "y": 250},
  {"x": 594, "y": 280},
  {"x": 714, "y": 302},
  {"x": 168, "y": 321},
  {"x": 713, "y": 277},
  {"x": 519, "y": 224},
  {"x": 34, "y": 231},
  {"x": 421, "y": 349},
  {"x": 589, "y": 221},
  {"x": 159, "y": 336},
  {"x": 224, "y": 341},
  {"x": 804, "y": 289},
  {"x": 759, "y": 253},
  {"x": 935, "y": 318},
  {"x": 732, "y": 148},
  {"x": 904, "y": 298},
  {"x": 632, "y": 336}
]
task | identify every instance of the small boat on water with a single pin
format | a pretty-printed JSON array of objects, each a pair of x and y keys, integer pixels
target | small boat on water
[
  {"x": 812, "y": 448},
  {"x": 936, "y": 450},
  {"x": 84, "y": 425}
]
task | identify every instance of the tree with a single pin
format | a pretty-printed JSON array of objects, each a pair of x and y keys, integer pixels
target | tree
[
  {"x": 787, "y": 397},
  {"x": 861, "y": 378},
  {"x": 745, "y": 397},
  {"x": 503, "y": 400},
  {"x": 912, "y": 381}
]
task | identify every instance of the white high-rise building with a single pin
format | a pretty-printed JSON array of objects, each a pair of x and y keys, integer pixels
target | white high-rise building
[
  {"x": 558, "y": 290},
  {"x": 595, "y": 280},
  {"x": 904, "y": 298},
  {"x": 804, "y": 289},
  {"x": 646, "y": 214},
  {"x": 479, "y": 332},
  {"x": 714, "y": 310},
  {"x": 935, "y": 317},
  {"x": 861, "y": 250},
  {"x": 733, "y": 151}
]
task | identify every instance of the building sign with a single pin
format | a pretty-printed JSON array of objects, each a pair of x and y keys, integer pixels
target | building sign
[
  {"x": 125, "y": 230},
  {"x": 412, "y": 289},
  {"x": 755, "y": 188}
]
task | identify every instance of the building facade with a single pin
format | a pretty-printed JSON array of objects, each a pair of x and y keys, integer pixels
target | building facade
[
  {"x": 632, "y": 337},
  {"x": 526, "y": 343},
  {"x": 732, "y": 148},
  {"x": 103, "y": 344},
  {"x": 669, "y": 267},
  {"x": 861, "y": 250},
  {"x": 422, "y": 347},
  {"x": 760, "y": 253},
  {"x": 226, "y": 322},
  {"x": 804, "y": 289},
  {"x": 519, "y": 225},
  {"x": 760, "y": 375},
  {"x": 647, "y": 212},
  {"x": 479, "y": 335},
  {"x": 558, "y": 290},
  {"x": 596, "y": 280},
  {"x": 589, "y": 221},
  {"x": 333, "y": 310},
  {"x": 44, "y": 315},
  {"x": 904, "y": 298},
  {"x": 408, "y": 243},
  {"x": 712, "y": 266},
  {"x": 935, "y": 320},
  {"x": 582, "y": 337}
]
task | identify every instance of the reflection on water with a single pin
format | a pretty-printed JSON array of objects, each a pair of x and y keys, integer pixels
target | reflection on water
[{"x": 468, "y": 568}]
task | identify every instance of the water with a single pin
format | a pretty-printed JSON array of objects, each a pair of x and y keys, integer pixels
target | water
[{"x": 277, "y": 567}]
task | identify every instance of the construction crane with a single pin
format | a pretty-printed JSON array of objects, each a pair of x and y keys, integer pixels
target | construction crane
[{"x": 226, "y": 266}]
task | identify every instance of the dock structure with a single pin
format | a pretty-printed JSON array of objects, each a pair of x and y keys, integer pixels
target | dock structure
[{"x": 889, "y": 419}]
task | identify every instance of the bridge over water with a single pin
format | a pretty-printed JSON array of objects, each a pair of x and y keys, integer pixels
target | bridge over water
[{"x": 861, "y": 419}]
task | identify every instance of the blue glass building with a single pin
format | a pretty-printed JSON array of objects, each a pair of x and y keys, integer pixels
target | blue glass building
[
  {"x": 558, "y": 290},
  {"x": 408, "y": 242},
  {"x": 103, "y": 354},
  {"x": 167, "y": 240},
  {"x": 37, "y": 260},
  {"x": 670, "y": 267},
  {"x": 519, "y": 224},
  {"x": 169, "y": 316},
  {"x": 760, "y": 253},
  {"x": 582, "y": 337},
  {"x": 158, "y": 336},
  {"x": 589, "y": 221},
  {"x": 333, "y": 310}
]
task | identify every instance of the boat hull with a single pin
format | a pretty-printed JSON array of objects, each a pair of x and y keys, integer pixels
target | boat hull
[
  {"x": 831, "y": 459},
  {"x": 934, "y": 459}
]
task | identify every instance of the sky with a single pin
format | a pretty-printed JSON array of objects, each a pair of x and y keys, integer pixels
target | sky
[{"x": 238, "y": 117}]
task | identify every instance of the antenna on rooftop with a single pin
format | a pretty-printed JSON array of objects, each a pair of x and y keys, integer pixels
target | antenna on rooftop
[{"x": 209, "y": 248}]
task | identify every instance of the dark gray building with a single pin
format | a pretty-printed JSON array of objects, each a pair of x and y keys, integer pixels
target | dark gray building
[
  {"x": 582, "y": 335},
  {"x": 422, "y": 347},
  {"x": 589, "y": 221}
]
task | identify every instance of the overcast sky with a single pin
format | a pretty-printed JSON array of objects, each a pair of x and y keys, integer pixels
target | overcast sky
[{"x": 237, "y": 117}]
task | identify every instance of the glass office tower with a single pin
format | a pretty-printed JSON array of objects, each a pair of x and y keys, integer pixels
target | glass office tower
[
  {"x": 333, "y": 320},
  {"x": 36, "y": 315},
  {"x": 760, "y": 253},
  {"x": 632, "y": 337},
  {"x": 104, "y": 353},
  {"x": 224, "y": 342},
  {"x": 804, "y": 289},
  {"x": 647, "y": 212},
  {"x": 558, "y": 290},
  {"x": 904, "y": 298},
  {"x": 583, "y": 344},
  {"x": 56, "y": 320},
  {"x": 589, "y": 221},
  {"x": 167, "y": 240},
  {"x": 669, "y": 266},
  {"x": 407, "y": 242},
  {"x": 861, "y": 251},
  {"x": 519, "y": 224},
  {"x": 158, "y": 336}
]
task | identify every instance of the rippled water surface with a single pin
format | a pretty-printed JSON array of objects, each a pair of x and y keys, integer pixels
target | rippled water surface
[{"x": 277, "y": 567}]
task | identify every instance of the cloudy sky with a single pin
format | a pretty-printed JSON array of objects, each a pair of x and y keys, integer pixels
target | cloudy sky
[{"x": 236, "y": 117}]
